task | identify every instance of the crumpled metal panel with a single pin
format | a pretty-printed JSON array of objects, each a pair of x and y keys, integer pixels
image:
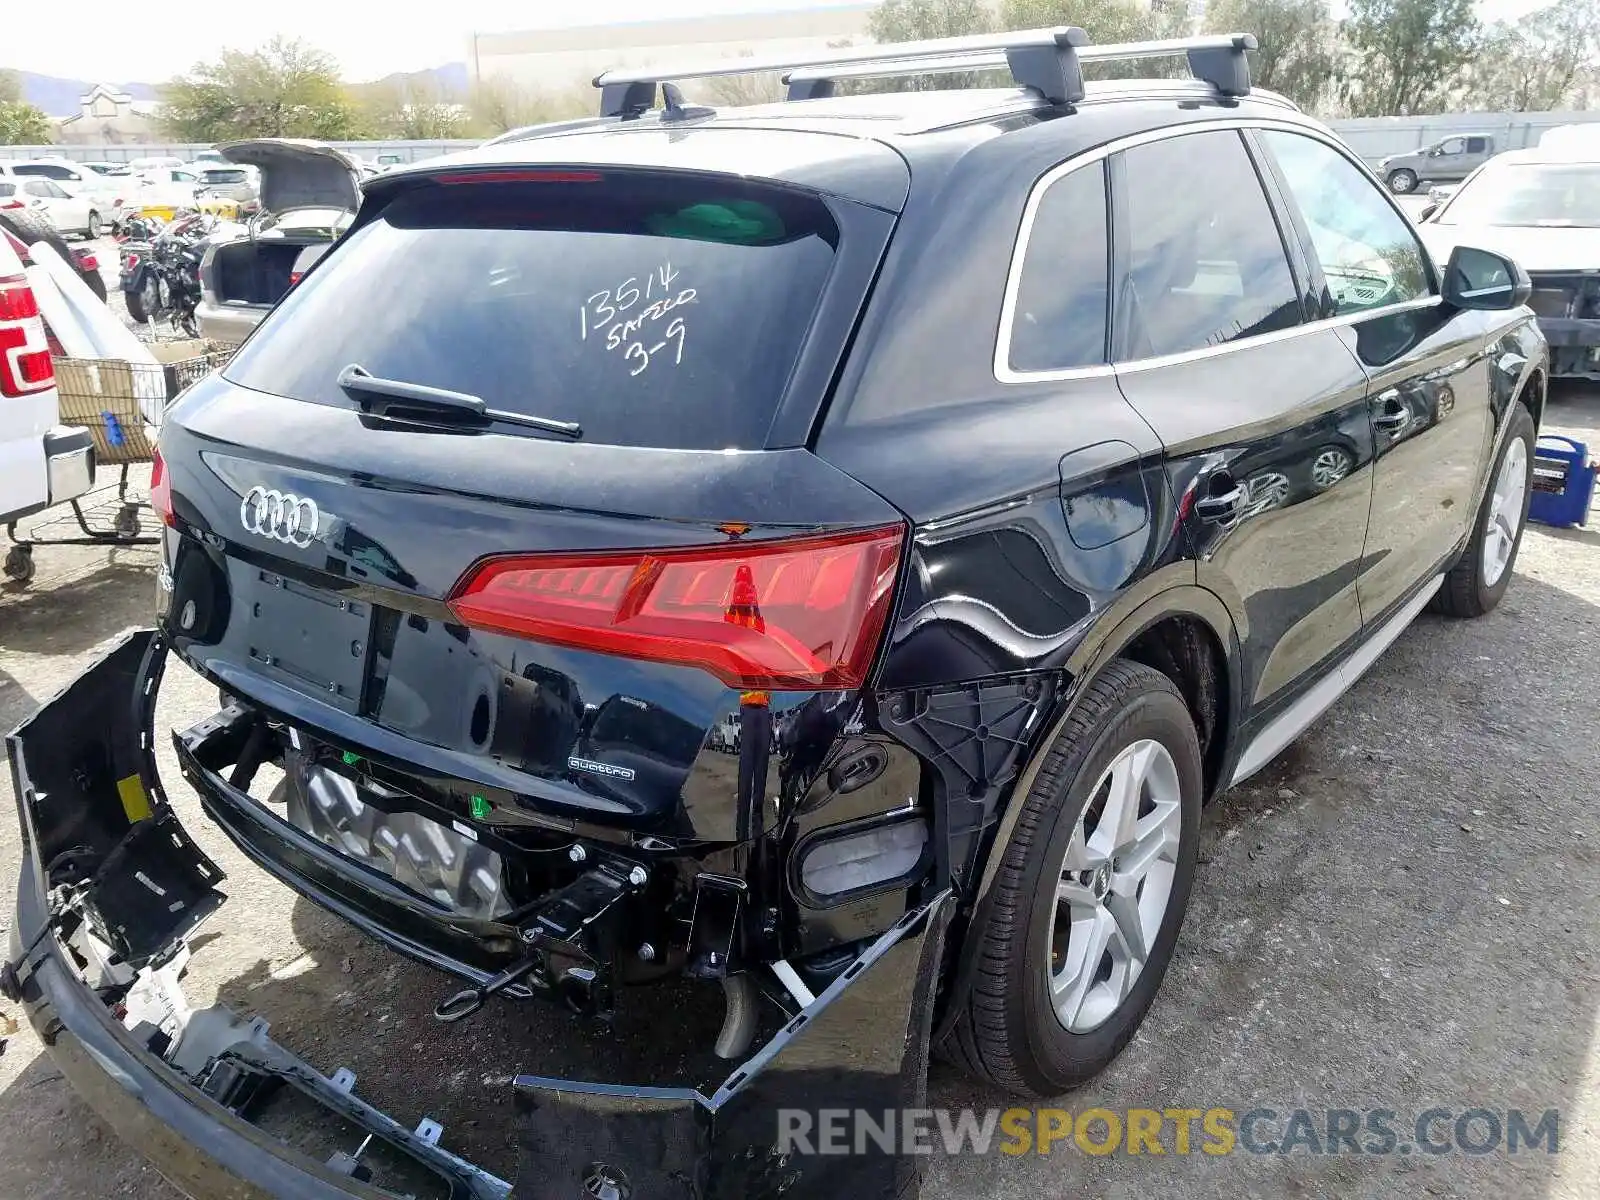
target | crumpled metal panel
[{"x": 429, "y": 858}]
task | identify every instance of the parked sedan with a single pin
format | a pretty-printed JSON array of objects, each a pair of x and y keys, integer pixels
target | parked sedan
[
  {"x": 1540, "y": 207},
  {"x": 309, "y": 194},
  {"x": 67, "y": 212}
]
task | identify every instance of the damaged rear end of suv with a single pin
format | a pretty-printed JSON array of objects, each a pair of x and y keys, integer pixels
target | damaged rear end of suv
[{"x": 473, "y": 640}]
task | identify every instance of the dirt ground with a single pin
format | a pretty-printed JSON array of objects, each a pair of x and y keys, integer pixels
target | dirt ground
[{"x": 1401, "y": 911}]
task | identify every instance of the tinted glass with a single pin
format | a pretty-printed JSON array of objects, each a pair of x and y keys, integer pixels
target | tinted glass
[
  {"x": 1547, "y": 194},
  {"x": 1368, "y": 253},
  {"x": 45, "y": 170},
  {"x": 225, "y": 176},
  {"x": 1059, "y": 320},
  {"x": 1477, "y": 145},
  {"x": 654, "y": 310},
  {"x": 1206, "y": 264}
]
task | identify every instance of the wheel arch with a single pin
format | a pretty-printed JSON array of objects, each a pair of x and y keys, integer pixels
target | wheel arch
[{"x": 1166, "y": 632}]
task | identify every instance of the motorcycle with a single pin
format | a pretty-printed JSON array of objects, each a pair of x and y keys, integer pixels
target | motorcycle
[{"x": 161, "y": 266}]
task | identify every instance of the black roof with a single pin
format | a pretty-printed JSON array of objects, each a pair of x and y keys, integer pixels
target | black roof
[{"x": 864, "y": 147}]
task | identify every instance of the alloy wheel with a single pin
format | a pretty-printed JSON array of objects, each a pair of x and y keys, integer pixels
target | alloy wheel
[
  {"x": 1329, "y": 467},
  {"x": 1113, "y": 886},
  {"x": 1505, "y": 512}
]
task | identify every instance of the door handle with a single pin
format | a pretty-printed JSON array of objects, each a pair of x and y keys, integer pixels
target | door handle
[{"x": 1220, "y": 506}]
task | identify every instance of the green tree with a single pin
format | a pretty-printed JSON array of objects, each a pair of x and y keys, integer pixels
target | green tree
[
  {"x": 285, "y": 89},
  {"x": 498, "y": 105},
  {"x": 1539, "y": 62},
  {"x": 416, "y": 110},
  {"x": 1410, "y": 56},
  {"x": 917, "y": 20},
  {"x": 1107, "y": 21},
  {"x": 21, "y": 124},
  {"x": 1299, "y": 43}
]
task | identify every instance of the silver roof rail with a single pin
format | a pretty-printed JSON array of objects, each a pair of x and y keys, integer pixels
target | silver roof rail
[
  {"x": 1219, "y": 60},
  {"x": 1045, "y": 60}
]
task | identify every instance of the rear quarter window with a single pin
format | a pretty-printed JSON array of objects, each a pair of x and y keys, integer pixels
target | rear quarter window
[{"x": 653, "y": 309}]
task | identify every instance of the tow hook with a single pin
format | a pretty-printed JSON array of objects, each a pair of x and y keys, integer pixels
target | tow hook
[{"x": 568, "y": 941}]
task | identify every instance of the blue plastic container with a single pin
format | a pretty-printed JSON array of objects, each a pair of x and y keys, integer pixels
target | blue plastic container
[{"x": 1563, "y": 482}]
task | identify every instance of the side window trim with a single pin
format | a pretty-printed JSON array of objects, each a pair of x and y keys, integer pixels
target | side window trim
[
  {"x": 1002, "y": 370},
  {"x": 1318, "y": 294},
  {"x": 1303, "y": 264}
]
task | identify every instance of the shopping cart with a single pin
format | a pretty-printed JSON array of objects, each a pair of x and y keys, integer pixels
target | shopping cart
[{"x": 121, "y": 405}]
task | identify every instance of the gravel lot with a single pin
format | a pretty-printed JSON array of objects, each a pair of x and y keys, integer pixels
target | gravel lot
[{"x": 1401, "y": 911}]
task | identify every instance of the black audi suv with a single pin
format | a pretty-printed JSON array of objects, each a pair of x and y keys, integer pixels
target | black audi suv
[{"x": 828, "y": 552}]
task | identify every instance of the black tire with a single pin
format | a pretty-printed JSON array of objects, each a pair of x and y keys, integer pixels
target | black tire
[
  {"x": 128, "y": 526},
  {"x": 1402, "y": 181},
  {"x": 19, "y": 564},
  {"x": 30, "y": 227},
  {"x": 145, "y": 303},
  {"x": 1004, "y": 1030},
  {"x": 1464, "y": 592},
  {"x": 94, "y": 229}
]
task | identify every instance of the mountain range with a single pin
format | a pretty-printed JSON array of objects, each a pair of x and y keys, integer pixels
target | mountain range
[{"x": 58, "y": 96}]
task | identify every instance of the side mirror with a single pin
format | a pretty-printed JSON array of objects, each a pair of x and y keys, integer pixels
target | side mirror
[{"x": 1482, "y": 279}]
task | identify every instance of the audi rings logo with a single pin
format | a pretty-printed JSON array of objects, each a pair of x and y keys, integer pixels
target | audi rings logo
[{"x": 281, "y": 516}]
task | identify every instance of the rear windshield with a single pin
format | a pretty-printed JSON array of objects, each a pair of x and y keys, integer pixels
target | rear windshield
[
  {"x": 223, "y": 176},
  {"x": 652, "y": 309}
]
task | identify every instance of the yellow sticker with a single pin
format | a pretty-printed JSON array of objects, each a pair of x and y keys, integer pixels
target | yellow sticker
[{"x": 134, "y": 801}]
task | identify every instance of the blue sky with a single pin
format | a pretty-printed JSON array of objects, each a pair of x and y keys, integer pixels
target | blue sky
[{"x": 102, "y": 42}]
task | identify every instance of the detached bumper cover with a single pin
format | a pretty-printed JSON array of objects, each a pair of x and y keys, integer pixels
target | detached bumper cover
[{"x": 84, "y": 775}]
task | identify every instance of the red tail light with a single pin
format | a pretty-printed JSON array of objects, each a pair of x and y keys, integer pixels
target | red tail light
[
  {"x": 792, "y": 614},
  {"x": 24, "y": 351},
  {"x": 294, "y": 277},
  {"x": 12, "y": 204},
  {"x": 161, "y": 490}
]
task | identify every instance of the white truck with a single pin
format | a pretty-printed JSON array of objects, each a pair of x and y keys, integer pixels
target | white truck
[{"x": 41, "y": 461}]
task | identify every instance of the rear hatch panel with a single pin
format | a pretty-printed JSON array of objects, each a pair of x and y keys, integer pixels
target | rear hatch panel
[{"x": 349, "y": 632}]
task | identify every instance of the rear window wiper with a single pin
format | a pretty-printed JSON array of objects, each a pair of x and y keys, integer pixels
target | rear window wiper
[{"x": 381, "y": 397}]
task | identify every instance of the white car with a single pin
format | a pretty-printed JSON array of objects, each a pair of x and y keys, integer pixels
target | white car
[
  {"x": 79, "y": 178},
  {"x": 41, "y": 461},
  {"x": 173, "y": 187},
  {"x": 68, "y": 213},
  {"x": 79, "y": 182},
  {"x": 1540, "y": 207}
]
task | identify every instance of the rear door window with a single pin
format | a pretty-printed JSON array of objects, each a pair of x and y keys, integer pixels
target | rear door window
[{"x": 653, "y": 309}]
